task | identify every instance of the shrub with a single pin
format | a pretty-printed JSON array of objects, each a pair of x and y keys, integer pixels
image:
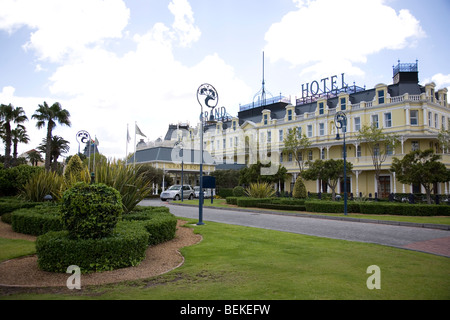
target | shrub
[
  {"x": 260, "y": 190},
  {"x": 282, "y": 206},
  {"x": 125, "y": 247},
  {"x": 158, "y": 221},
  {"x": 13, "y": 179},
  {"x": 405, "y": 209},
  {"x": 225, "y": 192},
  {"x": 41, "y": 184},
  {"x": 251, "y": 202},
  {"x": 8, "y": 205},
  {"x": 299, "y": 189},
  {"x": 37, "y": 221},
  {"x": 132, "y": 185},
  {"x": 331, "y": 206},
  {"x": 90, "y": 210},
  {"x": 232, "y": 200},
  {"x": 238, "y": 191},
  {"x": 74, "y": 167}
]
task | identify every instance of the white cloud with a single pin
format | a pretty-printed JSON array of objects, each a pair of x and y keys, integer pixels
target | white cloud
[
  {"x": 105, "y": 91},
  {"x": 183, "y": 24},
  {"x": 329, "y": 37},
  {"x": 441, "y": 81},
  {"x": 64, "y": 27}
]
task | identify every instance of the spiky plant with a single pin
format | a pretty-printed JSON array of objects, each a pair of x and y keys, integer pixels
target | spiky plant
[
  {"x": 132, "y": 185},
  {"x": 260, "y": 190}
]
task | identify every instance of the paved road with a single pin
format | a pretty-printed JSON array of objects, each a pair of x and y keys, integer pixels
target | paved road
[{"x": 421, "y": 239}]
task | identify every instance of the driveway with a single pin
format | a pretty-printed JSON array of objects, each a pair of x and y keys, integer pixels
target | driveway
[{"x": 430, "y": 240}]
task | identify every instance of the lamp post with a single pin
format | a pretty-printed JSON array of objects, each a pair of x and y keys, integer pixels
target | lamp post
[
  {"x": 180, "y": 145},
  {"x": 84, "y": 137},
  {"x": 340, "y": 120},
  {"x": 206, "y": 96}
]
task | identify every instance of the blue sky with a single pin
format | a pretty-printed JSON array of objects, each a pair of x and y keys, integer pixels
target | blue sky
[{"x": 113, "y": 63}]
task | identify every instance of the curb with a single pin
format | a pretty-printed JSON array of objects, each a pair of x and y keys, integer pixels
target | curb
[{"x": 305, "y": 215}]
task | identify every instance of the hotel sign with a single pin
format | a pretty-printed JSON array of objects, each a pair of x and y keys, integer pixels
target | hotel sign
[{"x": 321, "y": 87}]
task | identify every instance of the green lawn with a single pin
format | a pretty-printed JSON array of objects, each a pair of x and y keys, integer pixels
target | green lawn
[
  {"x": 10, "y": 249},
  {"x": 235, "y": 262}
]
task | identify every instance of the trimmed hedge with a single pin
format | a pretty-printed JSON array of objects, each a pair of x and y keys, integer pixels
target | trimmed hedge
[
  {"x": 225, "y": 192},
  {"x": 158, "y": 221},
  {"x": 405, "y": 209},
  {"x": 232, "y": 200},
  {"x": 251, "y": 202},
  {"x": 37, "y": 220},
  {"x": 91, "y": 210},
  {"x": 331, "y": 206},
  {"x": 8, "y": 205},
  {"x": 125, "y": 247}
]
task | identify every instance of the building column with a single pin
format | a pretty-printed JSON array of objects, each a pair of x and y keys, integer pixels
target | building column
[
  {"x": 394, "y": 182},
  {"x": 357, "y": 173}
]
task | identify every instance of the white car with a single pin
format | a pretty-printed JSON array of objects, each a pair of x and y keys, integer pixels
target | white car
[
  {"x": 206, "y": 192},
  {"x": 174, "y": 193}
]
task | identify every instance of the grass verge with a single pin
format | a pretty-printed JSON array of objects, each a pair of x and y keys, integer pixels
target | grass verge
[
  {"x": 10, "y": 249},
  {"x": 239, "y": 263}
]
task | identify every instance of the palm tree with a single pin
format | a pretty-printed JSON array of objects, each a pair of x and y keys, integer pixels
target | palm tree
[
  {"x": 58, "y": 146},
  {"x": 19, "y": 135},
  {"x": 50, "y": 115},
  {"x": 34, "y": 157},
  {"x": 9, "y": 114}
]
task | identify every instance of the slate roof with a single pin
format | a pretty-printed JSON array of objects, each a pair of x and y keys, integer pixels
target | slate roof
[{"x": 166, "y": 154}]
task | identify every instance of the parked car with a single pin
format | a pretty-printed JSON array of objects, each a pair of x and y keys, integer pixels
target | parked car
[
  {"x": 174, "y": 193},
  {"x": 206, "y": 192}
]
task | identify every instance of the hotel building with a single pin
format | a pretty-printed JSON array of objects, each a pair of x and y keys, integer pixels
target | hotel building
[{"x": 415, "y": 113}]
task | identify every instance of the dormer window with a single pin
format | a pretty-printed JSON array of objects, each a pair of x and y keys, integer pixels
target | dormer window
[
  {"x": 289, "y": 112},
  {"x": 321, "y": 108},
  {"x": 234, "y": 125},
  {"x": 380, "y": 95},
  {"x": 343, "y": 103},
  {"x": 265, "y": 119}
]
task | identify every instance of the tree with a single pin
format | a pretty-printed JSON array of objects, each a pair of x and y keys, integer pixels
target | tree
[
  {"x": 74, "y": 169},
  {"x": 10, "y": 114},
  {"x": 330, "y": 170},
  {"x": 252, "y": 174},
  {"x": 444, "y": 140},
  {"x": 226, "y": 178},
  {"x": 421, "y": 167},
  {"x": 299, "y": 188},
  {"x": 58, "y": 146},
  {"x": 297, "y": 144},
  {"x": 19, "y": 135},
  {"x": 50, "y": 115},
  {"x": 379, "y": 144},
  {"x": 34, "y": 157}
]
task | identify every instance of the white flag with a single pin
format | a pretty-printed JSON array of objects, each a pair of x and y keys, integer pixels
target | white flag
[
  {"x": 128, "y": 136},
  {"x": 139, "y": 132}
]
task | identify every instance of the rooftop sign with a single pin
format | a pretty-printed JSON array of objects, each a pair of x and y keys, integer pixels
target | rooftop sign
[{"x": 321, "y": 87}]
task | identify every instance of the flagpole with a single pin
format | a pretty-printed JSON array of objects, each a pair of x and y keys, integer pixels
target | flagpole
[
  {"x": 134, "y": 160},
  {"x": 94, "y": 152},
  {"x": 126, "y": 148}
]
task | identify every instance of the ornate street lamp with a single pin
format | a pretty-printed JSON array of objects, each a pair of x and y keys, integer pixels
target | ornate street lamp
[
  {"x": 207, "y": 97},
  {"x": 340, "y": 121},
  {"x": 84, "y": 137}
]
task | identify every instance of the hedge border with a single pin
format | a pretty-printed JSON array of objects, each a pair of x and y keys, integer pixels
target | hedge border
[
  {"x": 158, "y": 221},
  {"x": 36, "y": 221},
  {"x": 324, "y": 206},
  {"x": 126, "y": 247},
  {"x": 8, "y": 205}
]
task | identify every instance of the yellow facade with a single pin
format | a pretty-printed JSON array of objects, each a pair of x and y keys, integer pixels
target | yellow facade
[{"x": 416, "y": 119}]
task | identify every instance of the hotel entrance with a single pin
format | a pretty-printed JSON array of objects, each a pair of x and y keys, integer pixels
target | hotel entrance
[{"x": 385, "y": 186}]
